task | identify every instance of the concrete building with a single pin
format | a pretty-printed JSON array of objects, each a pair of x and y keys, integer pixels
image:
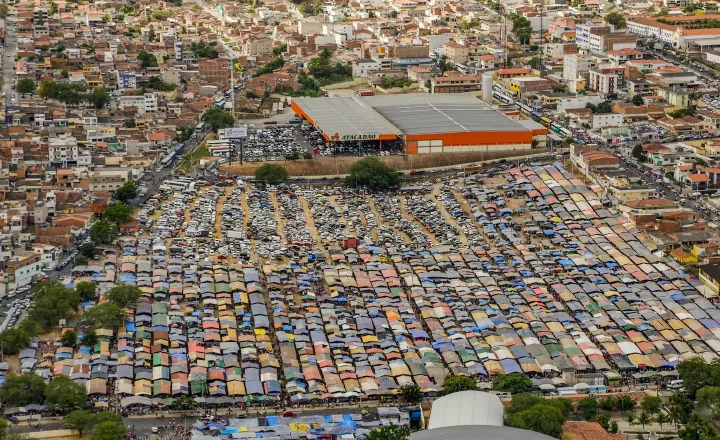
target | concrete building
[
  {"x": 146, "y": 103},
  {"x": 454, "y": 84},
  {"x": 108, "y": 179},
  {"x": 524, "y": 86},
  {"x": 361, "y": 68},
  {"x": 605, "y": 83},
  {"x": 258, "y": 46},
  {"x": 575, "y": 65}
]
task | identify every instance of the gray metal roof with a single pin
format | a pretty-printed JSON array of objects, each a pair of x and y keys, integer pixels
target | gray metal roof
[
  {"x": 479, "y": 432},
  {"x": 421, "y": 113},
  {"x": 345, "y": 116}
]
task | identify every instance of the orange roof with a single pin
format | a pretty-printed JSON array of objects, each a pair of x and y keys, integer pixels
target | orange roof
[
  {"x": 512, "y": 71},
  {"x": 698, "y": 178}
]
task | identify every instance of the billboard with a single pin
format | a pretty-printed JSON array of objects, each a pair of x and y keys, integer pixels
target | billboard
[{"x": 236, "y": 132}]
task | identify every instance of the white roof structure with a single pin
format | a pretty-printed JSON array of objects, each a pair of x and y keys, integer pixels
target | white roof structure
[{"x": 467, "y": 408}]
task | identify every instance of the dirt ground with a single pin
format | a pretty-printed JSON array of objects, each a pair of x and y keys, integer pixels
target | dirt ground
[{"x": 329, "y": 166}]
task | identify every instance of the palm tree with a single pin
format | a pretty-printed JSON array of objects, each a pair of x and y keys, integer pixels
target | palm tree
[
  {"x": 674, "y": 414},
  {"x": 644, "y": 419},
  {"x": 661, "y": 418},
  {"x": 630, "y": 418}
]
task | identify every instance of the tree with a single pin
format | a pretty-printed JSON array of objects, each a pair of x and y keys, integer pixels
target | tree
[
  {"x": 3, "y": 429},
  {"x": 661, "y": 419},
  {"x": 372, "y": 173},
  {"x": 184, "y": 403},
  {"x": 202, "y": 49},
  {"x": 616, "y": 19},
  {"x": 105, "y": 315},
  {"x": 638, "y": 152},
  {"x": 3, "y": 10},
  {"x": 589, "y": 407},
  {"x": 271, "y": 173},
  {"x": 393, "y": 14},
  {"x": 607, "y": 404},
  {"x": 53, "y": 302},
  {"x": 69, "y": 338},
  {"x": 515, "y": 383},
  {"x": 86, "y": 290},
  {"x": 126, "y": 192},
  {"x": 147, "y": 60},
  {"x": 638, "y": 100},
  {"x": 392, "y": 432},
  {"x": 651, "y": 404},
  {"x": 218, "y": 119},
  {"x": 117, "y": 213},
  {"x": 21, "y": 390},
  {"x": 613, "y": 427},
  {"x": 25, "y": 86},
  {"x": 682, "y": 112},
  {"x": 109, "y": 431},
  {"x": 13, "y": 340},
  {"x": 680, "y": 408},
  {"x": 81, "y": 260},
  {"x": 545, "y": 419},
  {"x": 709, "y": 397},
  {"x": 80, "y": 421},
  {"x": 103, "y": 231},
  {"x": 697, "y": 428},
  {"x": 525, "y": 401},
  {"x": 410, "y": 393},
  {"x": 30, "y": 327},
  {"x": 123, "y": 295},
  {"x": 604, "y": 421},
  {"x": 99, "y": 97},
  {"x": 106, "y": 416},
  {"x": 454, "y": 383},
  {"x": 629, "y": 417},
  {"x": 644, "y": 418},
  {"x": 695, "y": 374},
  {"x": 65, "y": 394},
  {"x": 280, "y": 49},
  {"x": 90, "y": 338},
  {"x": 535, "y": 62}
]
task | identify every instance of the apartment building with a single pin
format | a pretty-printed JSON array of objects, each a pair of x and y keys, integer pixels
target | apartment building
[{"x": 454, "y": 84}]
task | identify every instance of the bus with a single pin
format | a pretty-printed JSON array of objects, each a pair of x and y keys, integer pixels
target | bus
[
  {"x": 200, "y": 127},
  {"x": 545, "y": 121},
  {"x": 169, "y": 158},
  {"x": 179, "y": 148}
]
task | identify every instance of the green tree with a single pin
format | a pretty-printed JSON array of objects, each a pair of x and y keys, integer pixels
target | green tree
[
  {"x": 69, "y": 338},
  {"x": 638, "y": 152},
  {"x": 106, "y": 416},
  {"x": 80, "y": 421},
  {"x": 21, "y": 390},
  {"x": 30, "y": 327},
  {"x": 218, "y": 119},
  {"x": 13, "y": 340},
  {"x": 535, "y": 63},
  {"x": 589, "y": 407},
  {"x": 126, "y": 192},
  {"x": 372, "y": 173},
  {"x": 512, "y": 383},
  {"x": 393, "y": 14},
  {"x": 616, "y": 19},
  {"x": 99, "y": 97},
  {"x": 651, "y": 404},
  {"x": 680, "y": 408},
  {"x": 709, "y": 398},
  {"x": 147, "y": 60},
  {"x": 90, "y": 338},
  {"x": 695, "y": 374},
  {"x": 103, "y": 231},
  {"x": 271, "y": 173},
  {"x": 65, "y": 394},
  {"x": 123, "y": 295},
  {"x": 661, "y": 419},
  {"x": 184, "y": 403},
  {"x": 117, "y": 213},
  {"x": 202, "y": 49},
  {"x": 697, "y": 428},
  {"x": 280, "y": 49},
  {"x": 161, "y": 14},
  {"x": 410, "y": 393},
  {"x": 109, "y": 431},
  {"x": 25, "y": 86},
  {"x": 86, "y": 290},
  {"x": 454, "y": 383},
  {"x": 638, "y": 100},
  {"x": 613, "y": 427},
  {"x": 105, "y": 315},
  {"x": 87, "y": 249},
  {"x": 629, "y": 418},
  {"x": 3, "y": 429},
  {"x": 81, "y": 260},
  {"x": 3, "y": 10},
  {"x": 607, "y": 404},
  {"x": 644, "y": 418},
  {"x": 53, "y": 302},
  {"x": 392, "y": 432},
  {"x": 545, "y": 419},
  {"x": 604, "y": 421},
  {"x": 525, "y": 401}
]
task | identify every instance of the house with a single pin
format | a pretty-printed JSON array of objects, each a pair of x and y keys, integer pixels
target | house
[
  {"x": 697, "y": 182},
  {"x": 709, "y": 274}
]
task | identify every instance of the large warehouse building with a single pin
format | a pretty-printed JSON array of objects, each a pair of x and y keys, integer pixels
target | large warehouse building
[{"x": 425, "y": 123}]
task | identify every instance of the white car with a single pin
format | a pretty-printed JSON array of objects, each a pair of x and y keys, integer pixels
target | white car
[{"x": 155, "y": 430}]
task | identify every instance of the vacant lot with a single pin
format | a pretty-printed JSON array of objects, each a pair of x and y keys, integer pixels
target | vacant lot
[{"x": 328, "y": 166}]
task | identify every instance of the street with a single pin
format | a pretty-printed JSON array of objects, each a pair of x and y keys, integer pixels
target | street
[{"x": 8, "y": 61}]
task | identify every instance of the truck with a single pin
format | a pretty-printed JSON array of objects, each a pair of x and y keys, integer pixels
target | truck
[{"x": 365, "y": 92}]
